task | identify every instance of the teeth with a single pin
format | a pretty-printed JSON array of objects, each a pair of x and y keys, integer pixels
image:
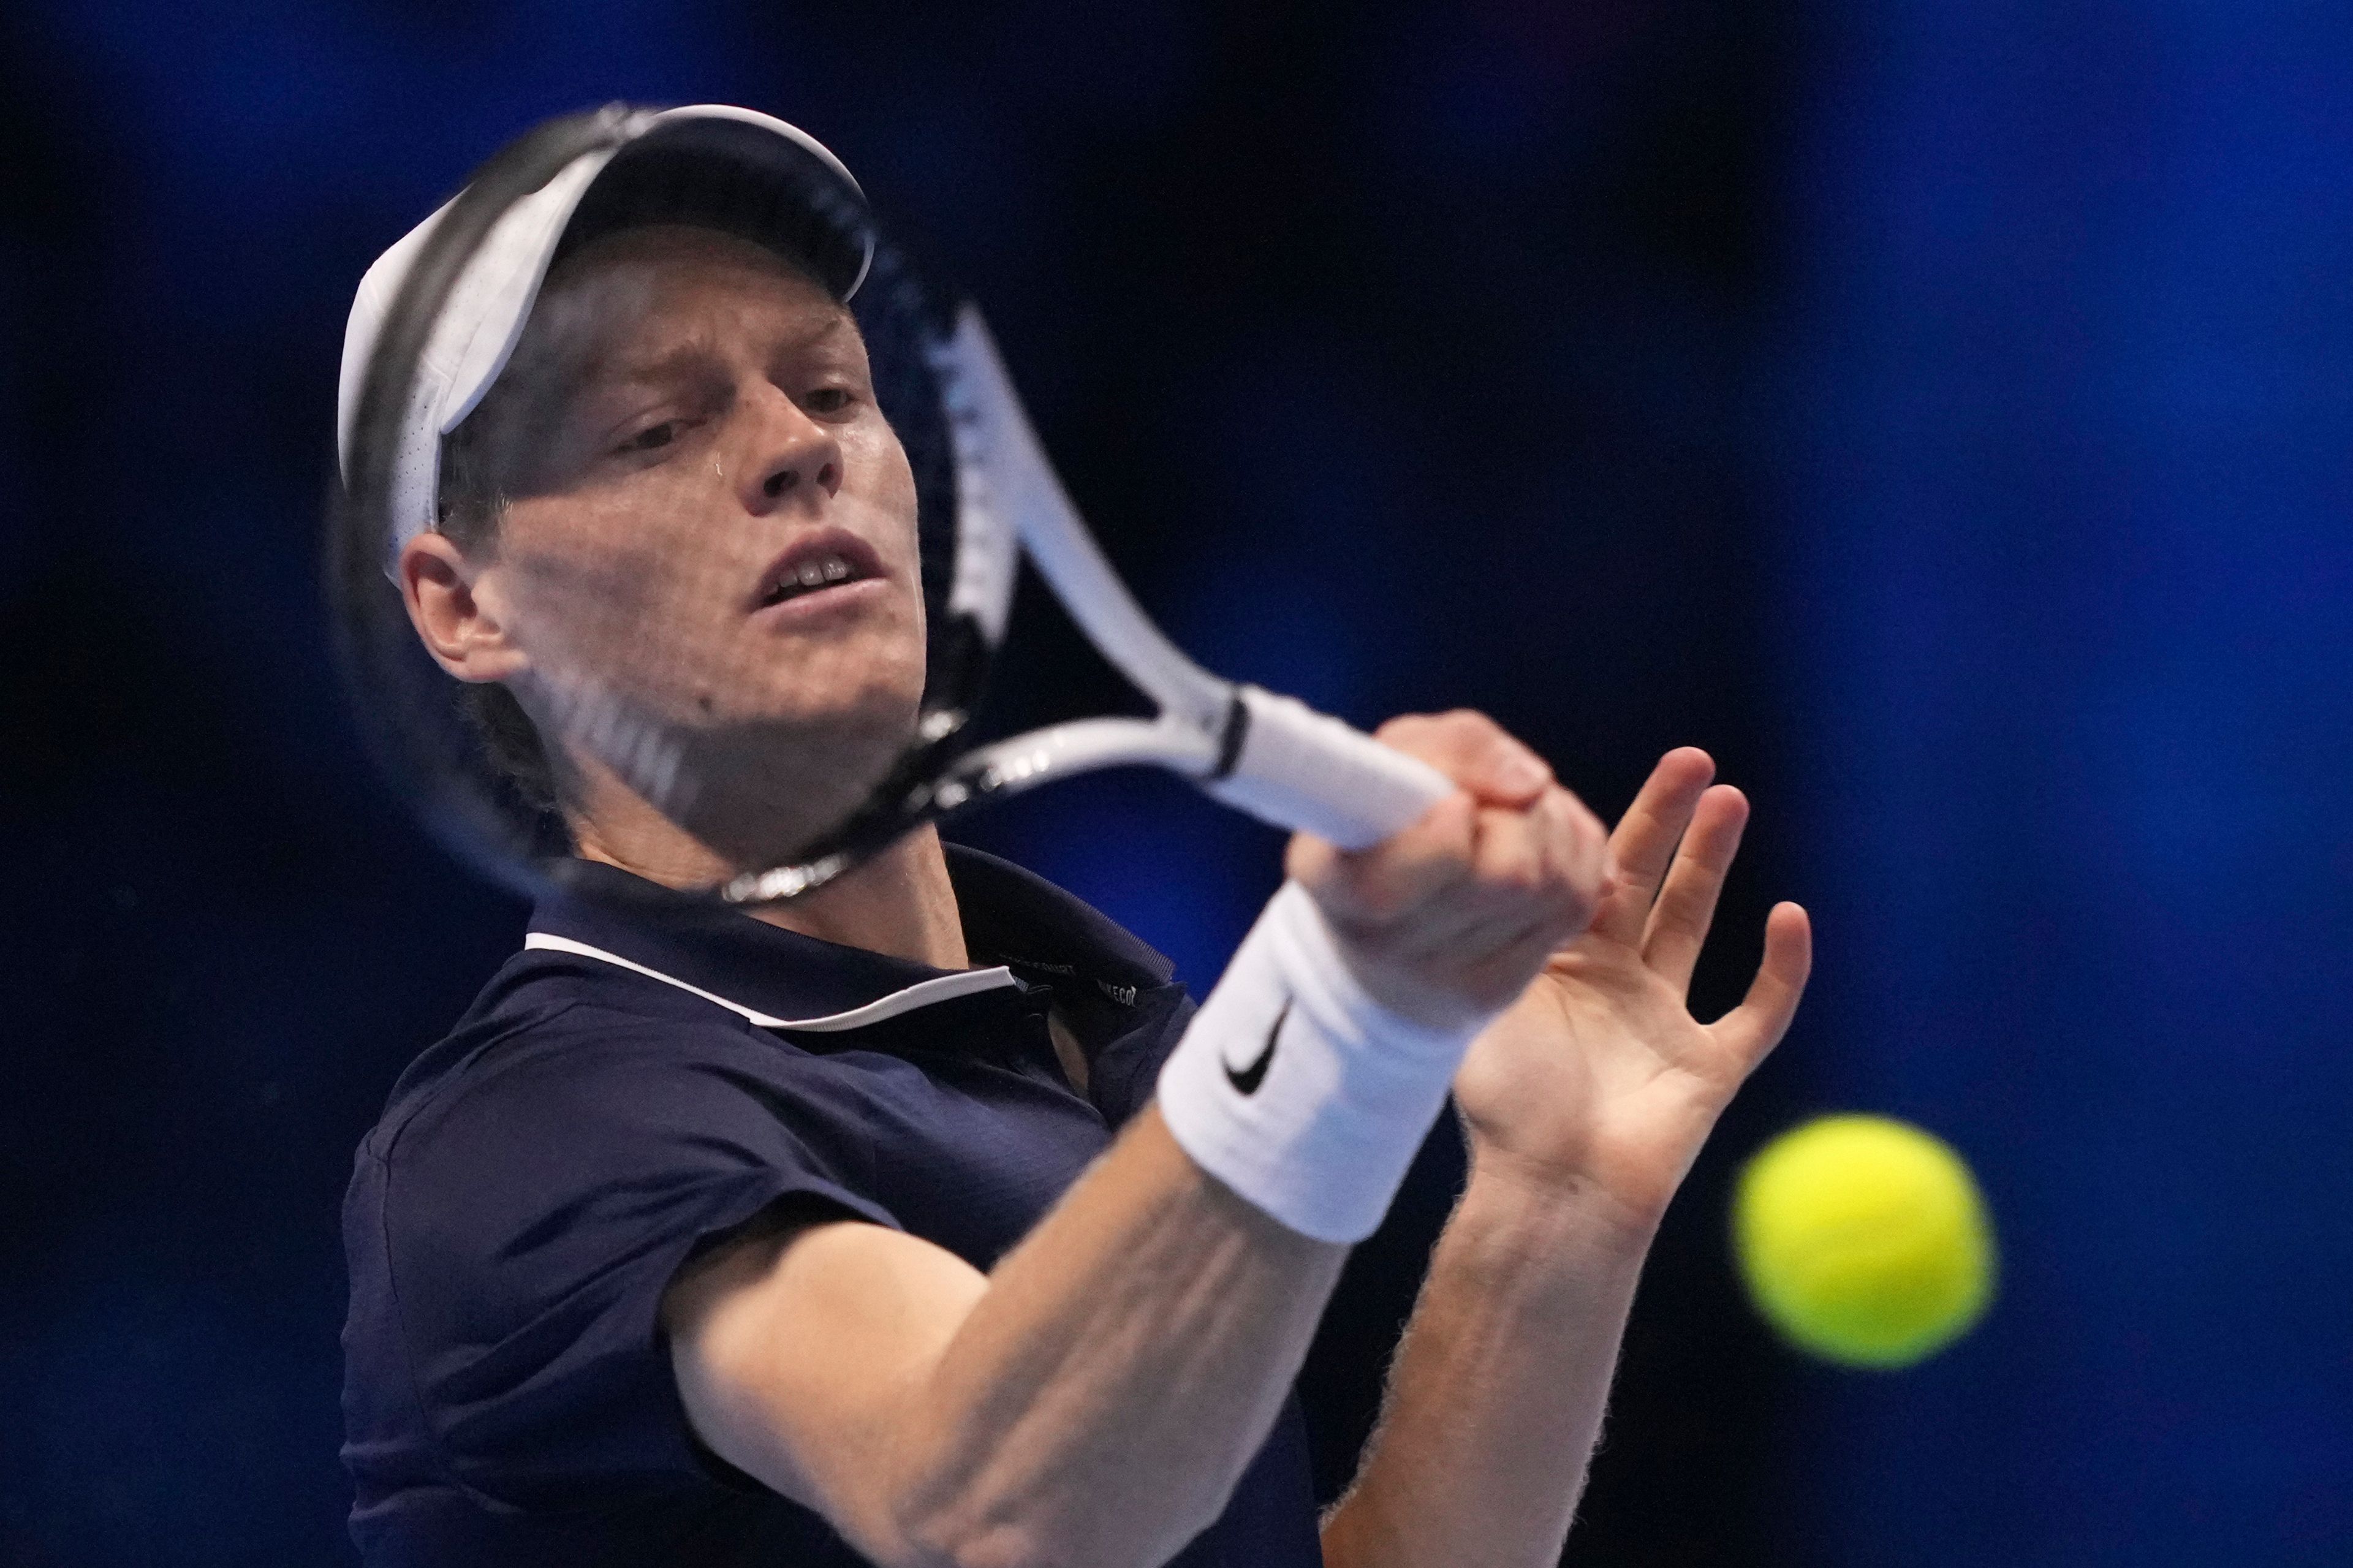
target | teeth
[{"x": 814, "y": 573}]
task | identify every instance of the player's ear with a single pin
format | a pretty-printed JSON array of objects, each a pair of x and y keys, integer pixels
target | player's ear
[{"x": 459, "y": 623}]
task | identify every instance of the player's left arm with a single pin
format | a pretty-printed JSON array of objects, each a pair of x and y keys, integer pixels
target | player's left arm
[{"x": 1585, "y": 1106}]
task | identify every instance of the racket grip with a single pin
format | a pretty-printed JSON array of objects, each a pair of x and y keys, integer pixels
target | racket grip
[{"x": 1312, "y": 773}]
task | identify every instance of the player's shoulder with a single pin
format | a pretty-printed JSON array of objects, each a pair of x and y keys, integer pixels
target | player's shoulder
[{"x": 558, "y": 1039}]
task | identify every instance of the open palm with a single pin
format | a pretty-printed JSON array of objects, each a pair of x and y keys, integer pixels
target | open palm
[{"x": 1599, "y": 1078}]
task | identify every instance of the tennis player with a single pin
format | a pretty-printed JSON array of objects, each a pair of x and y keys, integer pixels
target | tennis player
[{"x": 925, "y": 1222}]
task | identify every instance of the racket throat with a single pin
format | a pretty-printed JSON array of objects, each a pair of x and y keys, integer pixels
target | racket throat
[{"x": 1232, "y": 735}]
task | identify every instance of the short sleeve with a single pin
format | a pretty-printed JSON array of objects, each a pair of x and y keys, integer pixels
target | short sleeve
[{"x": 534, "y": 1216}]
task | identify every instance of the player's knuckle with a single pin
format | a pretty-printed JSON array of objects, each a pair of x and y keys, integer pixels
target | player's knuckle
[
  {"x": 1515, "y": 878},
  {"x": 1406, "y": 727},
  {"x": 1471, "y": 726},
  {"x": 1531, "y": 878}
]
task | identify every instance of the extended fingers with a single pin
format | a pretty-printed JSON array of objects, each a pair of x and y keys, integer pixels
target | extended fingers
[
  {"x": 1756, "y": 1025},
  {"x": 1646, "y": 839},
  {"x": 1678, "y": 920}
]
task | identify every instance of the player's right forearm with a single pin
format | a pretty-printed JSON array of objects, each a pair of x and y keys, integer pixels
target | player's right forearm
[
  {"x": 1123, "y": 1367},
  {"x": 1093, "y": 1401},
  {"x": 1126, "y": 1362}
]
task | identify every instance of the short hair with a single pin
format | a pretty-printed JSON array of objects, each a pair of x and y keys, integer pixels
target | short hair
[{"x": 471, "y": 506}]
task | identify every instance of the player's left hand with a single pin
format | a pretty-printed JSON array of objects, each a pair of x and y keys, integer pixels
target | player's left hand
[{"x": 1598, "y": 1083}]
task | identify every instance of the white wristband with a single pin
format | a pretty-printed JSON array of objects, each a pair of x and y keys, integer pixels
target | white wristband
[{"x": 1297, "y": 1089}]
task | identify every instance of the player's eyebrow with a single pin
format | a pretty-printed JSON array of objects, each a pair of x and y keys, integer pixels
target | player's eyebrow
[
  {"x": 833, "y": 325},
  {"x": 680, "y": 362},
  {"x": 692, "y": 356}
]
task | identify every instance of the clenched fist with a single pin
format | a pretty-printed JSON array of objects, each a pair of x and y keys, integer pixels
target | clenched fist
[{"x": 1448, "y": 921}]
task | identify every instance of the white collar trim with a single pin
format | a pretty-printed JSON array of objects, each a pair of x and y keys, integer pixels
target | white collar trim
[{"x": 922, "y": 994}]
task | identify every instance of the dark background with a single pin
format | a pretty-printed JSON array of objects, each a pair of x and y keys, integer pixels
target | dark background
[{"x": 1939, "y": 411}]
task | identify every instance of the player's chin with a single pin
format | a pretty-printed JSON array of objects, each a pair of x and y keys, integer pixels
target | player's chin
[
  {"x": 863, "y": 692},
  {"x": 780, "y": 767}
]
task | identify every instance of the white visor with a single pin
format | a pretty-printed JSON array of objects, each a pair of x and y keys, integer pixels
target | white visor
[{"x": 668, "y": 152}]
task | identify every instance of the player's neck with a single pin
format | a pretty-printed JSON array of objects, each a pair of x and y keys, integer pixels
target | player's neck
[{"x": 899, "y": 903}]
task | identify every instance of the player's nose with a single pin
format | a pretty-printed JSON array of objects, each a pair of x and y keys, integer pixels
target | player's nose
[{"x": 793, "y": 457}]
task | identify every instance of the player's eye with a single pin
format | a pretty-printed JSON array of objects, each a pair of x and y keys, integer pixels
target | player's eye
[
  {"x": 653, "y": 438},
  {"x": 828, "y": 400}
]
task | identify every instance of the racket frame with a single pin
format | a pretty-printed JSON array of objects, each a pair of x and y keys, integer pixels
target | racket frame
[{"x": 1263, "y": 753}]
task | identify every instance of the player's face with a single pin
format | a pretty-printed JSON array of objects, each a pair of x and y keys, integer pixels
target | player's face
[{"x": 708, "y": 551}]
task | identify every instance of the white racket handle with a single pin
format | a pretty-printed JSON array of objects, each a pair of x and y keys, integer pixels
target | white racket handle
[{"x": 1312, "y": 773}]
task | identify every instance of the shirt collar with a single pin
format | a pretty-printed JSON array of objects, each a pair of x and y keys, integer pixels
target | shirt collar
[{"x": 1022, "y": 927}]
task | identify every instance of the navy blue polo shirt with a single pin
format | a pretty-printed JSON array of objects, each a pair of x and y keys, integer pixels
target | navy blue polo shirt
[{"x": 647, "y": 1074}]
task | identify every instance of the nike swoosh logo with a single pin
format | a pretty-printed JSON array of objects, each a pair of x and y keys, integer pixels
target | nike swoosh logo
[{"x": 1246, "y": 1080}]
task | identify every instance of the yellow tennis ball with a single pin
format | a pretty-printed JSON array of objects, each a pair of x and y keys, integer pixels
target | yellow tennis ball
[{"x": 1863, "y": 1240}]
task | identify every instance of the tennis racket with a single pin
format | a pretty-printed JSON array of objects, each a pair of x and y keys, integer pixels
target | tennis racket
[{"x": 987, "y": 498}]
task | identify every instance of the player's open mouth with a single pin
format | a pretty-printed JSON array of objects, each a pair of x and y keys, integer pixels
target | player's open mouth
[
  {"x": 833, "y": 558},
  {"x": 822, "y": 571}
]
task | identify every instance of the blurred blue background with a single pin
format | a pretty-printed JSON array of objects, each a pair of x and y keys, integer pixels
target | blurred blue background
[{"x": 1940, "y": 412}]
